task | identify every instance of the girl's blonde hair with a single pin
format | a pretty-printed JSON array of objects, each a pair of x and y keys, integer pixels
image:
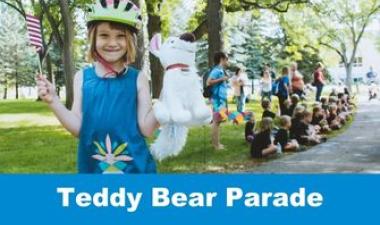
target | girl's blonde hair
[
  {"x": 285, "y": 120},
  {"x": 129, "y": 57},
  {"x": 266, "y": 124}
]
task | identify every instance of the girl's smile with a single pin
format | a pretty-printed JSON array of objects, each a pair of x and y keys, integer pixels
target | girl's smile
[{"x": 111, "y": 44}]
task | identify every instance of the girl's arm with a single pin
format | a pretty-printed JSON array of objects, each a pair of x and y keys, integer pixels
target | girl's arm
[
  {"x": 71, "y": 120},
  {"x": 146, "y": 119}
]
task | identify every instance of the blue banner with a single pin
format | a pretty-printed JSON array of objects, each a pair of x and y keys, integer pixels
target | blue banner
[{"x": 189, "y": 199}]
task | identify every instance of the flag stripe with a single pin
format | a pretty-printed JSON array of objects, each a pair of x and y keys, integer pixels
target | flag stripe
[
  {"x": 32, "y": 18},
  {"x": 36, "y": 39},
  {"x": 36, "y": 35},
  {"x": 32, "y": 29},
  {"x": 33, "y": 26},
  {"x": 38, "y": 44}
]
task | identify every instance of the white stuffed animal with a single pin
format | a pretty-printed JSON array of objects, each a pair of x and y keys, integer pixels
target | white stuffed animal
[{"x": 181, "y": 102}]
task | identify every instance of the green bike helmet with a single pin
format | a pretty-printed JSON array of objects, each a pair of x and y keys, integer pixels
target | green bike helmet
[{"x": 119, "y": 11}]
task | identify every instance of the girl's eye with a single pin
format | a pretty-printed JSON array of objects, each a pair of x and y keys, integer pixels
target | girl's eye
[
  {"x": 103, "y": 35},
  {"x": 121, "y": 35}
]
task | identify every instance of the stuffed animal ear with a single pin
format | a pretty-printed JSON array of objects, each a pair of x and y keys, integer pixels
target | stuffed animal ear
[{"x": 155, "y": 45}]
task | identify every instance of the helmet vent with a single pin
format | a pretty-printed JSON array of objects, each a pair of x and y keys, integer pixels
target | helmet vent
[
  {"x": 103, "y": 3},
  {"x": 116, "y": 3},
  {"x": 128, "y": 7},
  {"x": 139, "y": 17}
]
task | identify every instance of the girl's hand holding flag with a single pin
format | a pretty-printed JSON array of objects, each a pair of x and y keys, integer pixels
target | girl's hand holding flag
[{"x": 46, "y": 90}]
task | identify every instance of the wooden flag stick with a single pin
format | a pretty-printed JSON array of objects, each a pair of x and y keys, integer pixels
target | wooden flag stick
[{"x": 39, "y": 62}]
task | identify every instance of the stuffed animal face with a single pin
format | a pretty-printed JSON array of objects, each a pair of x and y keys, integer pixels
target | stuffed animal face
[{"x": 173, "y": 51}]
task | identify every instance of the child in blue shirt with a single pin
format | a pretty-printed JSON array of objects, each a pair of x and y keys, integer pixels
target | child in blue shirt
[
  {"x": 218, "y": 80},
  {"x": 283, "y": 89}
]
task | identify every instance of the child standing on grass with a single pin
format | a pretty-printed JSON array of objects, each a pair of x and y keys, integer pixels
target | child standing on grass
[
  {"x": 266, "y": 86},
  {"x": 112, "y": 109},
  {"x": 262, "y": 144}
]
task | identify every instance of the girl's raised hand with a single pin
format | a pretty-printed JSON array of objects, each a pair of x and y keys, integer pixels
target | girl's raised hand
[{"x": 46, "y": 90}]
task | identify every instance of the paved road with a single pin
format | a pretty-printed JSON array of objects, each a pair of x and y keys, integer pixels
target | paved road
[{"x": 355, "y": 151}]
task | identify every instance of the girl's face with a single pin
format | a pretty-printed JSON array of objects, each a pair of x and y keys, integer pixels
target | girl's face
[
  {"x": 266, "y": 74},
  {"x": 111, "y": 44}
]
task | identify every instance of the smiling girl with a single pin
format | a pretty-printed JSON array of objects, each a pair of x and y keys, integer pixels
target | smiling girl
[{"x": 112, "y": 108}]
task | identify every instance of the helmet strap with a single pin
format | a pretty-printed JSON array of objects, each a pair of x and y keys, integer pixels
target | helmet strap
[{"x": 108, "y": 66}]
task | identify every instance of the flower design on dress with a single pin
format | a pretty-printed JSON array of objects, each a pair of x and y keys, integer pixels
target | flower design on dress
[{"x": 112, "y": 161}]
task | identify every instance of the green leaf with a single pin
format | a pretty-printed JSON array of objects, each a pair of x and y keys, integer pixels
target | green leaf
[
  {"x": 100, "y": 149},
  {"x": 120, "y": 149}
]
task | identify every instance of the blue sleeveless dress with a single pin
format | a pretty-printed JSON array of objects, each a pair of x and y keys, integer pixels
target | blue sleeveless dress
[{"x": 110, "y": 139}]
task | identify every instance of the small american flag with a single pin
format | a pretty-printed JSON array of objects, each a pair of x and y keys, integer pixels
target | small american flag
[{"x": 34, "y": 31}]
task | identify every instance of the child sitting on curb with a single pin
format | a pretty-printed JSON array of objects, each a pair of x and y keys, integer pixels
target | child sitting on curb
[
  {"x": 296, "y": 120},
  {"x": 303, "y": 132},
  {"x": 249, "y": 129},
  {"x": 325, "y": 105},
  {"x": 333, "y": 119},
  {"x": 319, "y": 119},
  {"x": 262, "y": 144},
  {"x": 282, "y": 136},
  {"x": 294, "y": 100},
  {"x": 266, "y": 104},
  {"x": 288, "y": 110}
]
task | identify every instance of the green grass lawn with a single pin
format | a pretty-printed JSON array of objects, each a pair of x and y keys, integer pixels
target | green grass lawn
[{"x": 32, "y": 141}]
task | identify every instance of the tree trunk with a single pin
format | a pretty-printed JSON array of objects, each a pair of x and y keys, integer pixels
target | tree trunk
[
  {"x": 5, "y": 94},
  {"x": 214, "y": 24},
  {"x": 348, "y": 68},
  {"x": 157, "y": 74},
  {"x": 68, "y": 65},
  {"x": 16, "y": 74},
  {"x": 139, "y": 62},
  {"x": 16, "y": 84},
  {"x": 49, "y": 68}
]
